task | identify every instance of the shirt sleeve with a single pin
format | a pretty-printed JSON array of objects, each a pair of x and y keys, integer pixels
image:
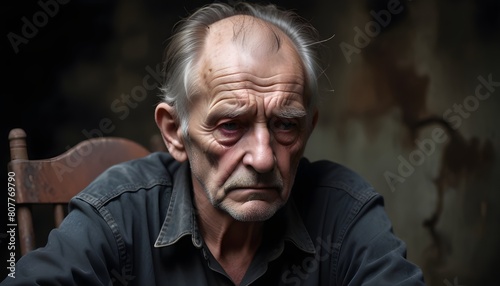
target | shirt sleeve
[
  {"x": 372, "y": 254},
  {"x": 82, "y": 251}
]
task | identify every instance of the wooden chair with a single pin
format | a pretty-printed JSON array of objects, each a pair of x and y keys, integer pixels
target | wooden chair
[{"x": 56, "y": 180}]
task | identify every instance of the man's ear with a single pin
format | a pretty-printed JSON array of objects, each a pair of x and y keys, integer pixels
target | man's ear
[{"x": 171, "y": 131}]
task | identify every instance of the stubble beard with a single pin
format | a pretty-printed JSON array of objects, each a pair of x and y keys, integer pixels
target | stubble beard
[{"x": 248, "y": 180}]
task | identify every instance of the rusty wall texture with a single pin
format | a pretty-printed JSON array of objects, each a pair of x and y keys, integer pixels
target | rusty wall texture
[
  {"x": 415, "y": 110},
  {"x": 410, "y": 99}
]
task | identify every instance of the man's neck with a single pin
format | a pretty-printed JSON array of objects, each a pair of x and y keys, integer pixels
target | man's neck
[{"x": 232, "y": 243}]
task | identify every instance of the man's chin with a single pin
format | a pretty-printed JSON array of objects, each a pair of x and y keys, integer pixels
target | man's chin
[{"x": 252, "y": 211}]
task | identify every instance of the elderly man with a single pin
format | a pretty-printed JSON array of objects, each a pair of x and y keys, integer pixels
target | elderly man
[{"x": 233, "y": 202}]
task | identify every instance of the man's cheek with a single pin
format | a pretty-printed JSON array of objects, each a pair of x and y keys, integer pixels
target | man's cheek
[{"x": 290, "y": 154}]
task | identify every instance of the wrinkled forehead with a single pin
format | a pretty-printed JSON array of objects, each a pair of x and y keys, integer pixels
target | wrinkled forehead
[{"x": 249, "y": 46}]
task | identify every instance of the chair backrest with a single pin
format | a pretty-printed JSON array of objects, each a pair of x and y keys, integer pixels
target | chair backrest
[{"x": 56, "y": 180}]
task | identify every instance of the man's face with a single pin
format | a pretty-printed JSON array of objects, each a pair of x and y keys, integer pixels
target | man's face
[{"x": 248, "y": 125}]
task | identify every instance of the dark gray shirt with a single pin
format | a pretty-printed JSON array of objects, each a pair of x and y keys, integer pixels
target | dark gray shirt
[{"x": 136, "y": 225}]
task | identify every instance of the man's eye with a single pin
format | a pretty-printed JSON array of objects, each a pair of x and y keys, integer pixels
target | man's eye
[
  {"x": 286, "y": 131},
  {"x": 228, "y": 133},
  {"x": 284, "y": 125},
  {"x": 230, "y": 126}
]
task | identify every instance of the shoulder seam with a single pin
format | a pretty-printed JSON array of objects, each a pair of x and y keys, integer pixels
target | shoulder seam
[{"x": 101, "y": 200}]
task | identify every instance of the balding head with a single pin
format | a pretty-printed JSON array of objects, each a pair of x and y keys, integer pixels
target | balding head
[
  {"x": 268, "y": 27},
  {"x": 245, "y": 45},
  {"x": 246, "y": 32}
]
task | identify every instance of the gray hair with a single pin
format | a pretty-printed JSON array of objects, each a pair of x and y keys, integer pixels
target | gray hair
[{"x": 184, "y": 48}]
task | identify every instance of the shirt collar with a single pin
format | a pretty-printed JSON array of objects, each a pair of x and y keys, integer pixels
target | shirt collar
[
  {"x": 295, "y": 230},
  {"x": 180, "y": 220}
]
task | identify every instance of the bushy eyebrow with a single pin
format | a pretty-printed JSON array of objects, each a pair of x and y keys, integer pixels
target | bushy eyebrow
[
  {"x": 219, "y": 113},
  {"x": 290, "y": 112},
  {"x": 231, "y": 112},
  {"x": 282, "y": 112}
]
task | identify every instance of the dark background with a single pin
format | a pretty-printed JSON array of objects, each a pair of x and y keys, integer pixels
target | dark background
[{"x": 88, "y": 54}]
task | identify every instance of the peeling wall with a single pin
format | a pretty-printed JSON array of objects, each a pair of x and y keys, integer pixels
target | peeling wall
[{"x": 415, "y": 110}]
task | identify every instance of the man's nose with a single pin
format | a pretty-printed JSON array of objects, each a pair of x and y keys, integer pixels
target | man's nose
[{"x": 259, "y": 152}]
